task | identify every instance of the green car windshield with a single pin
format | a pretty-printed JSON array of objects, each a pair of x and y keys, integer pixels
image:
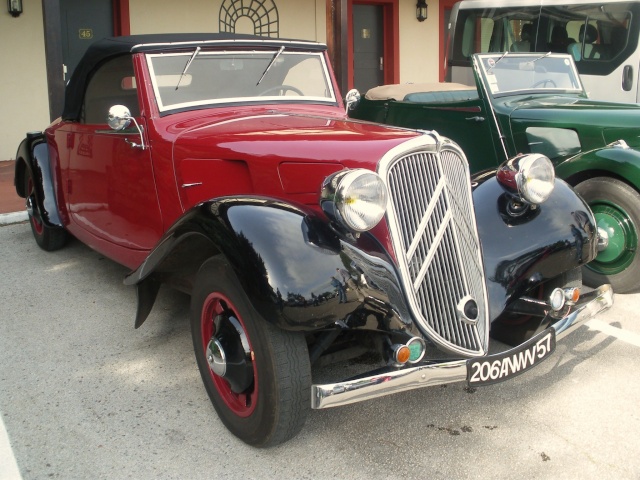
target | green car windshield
[{"x": 516, "y": 73}]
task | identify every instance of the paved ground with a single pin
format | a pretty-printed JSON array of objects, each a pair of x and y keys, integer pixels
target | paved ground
[{"x": 84, "y": 395}]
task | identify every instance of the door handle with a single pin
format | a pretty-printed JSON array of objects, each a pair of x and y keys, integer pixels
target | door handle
[
  {"x": 627, "y": 78},
  {"x": 141, "y": 146},
  {"x": 475, "y": 119},
  {"x": 381, "y": 64}
]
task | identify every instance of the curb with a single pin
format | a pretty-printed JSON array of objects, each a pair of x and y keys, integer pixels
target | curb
[{"x": 11, "y": 218}]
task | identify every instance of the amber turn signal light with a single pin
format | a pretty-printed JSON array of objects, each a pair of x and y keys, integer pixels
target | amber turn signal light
[{"x": 401, "y": 354}]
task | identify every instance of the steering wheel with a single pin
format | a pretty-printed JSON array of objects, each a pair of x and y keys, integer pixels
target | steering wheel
[
  {"x": 282, "y": 89},
  {"x": 544, "y": 82}
]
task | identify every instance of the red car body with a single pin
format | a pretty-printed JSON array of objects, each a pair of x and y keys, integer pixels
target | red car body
[{"x": 225, "y": 166}]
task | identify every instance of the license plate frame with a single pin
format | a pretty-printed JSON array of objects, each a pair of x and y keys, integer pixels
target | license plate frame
[{"x": 505, "y": 365}]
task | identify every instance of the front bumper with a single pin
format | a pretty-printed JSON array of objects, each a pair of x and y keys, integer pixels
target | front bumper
[{"x": 392, "y": 380}]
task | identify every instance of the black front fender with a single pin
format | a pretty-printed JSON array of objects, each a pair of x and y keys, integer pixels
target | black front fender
[
  {"x": 522, "y": 250},
  {"x": 284, "y": 258}
]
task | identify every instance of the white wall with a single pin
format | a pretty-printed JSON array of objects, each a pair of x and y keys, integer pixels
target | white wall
[
  {"x": 301, "y": 19},
  {"x": 24, "y": 101},
  {"x": 419, "y": 43}
]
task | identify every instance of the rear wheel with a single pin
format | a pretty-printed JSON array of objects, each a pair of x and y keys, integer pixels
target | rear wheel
[
  {"x": 258, "y": 376},
  {"x": 48, "y": 238},
  {"x": 616, "y": 207}
]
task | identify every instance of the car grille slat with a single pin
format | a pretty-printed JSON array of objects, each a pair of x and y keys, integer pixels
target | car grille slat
[{"x": 435, "y": 235}]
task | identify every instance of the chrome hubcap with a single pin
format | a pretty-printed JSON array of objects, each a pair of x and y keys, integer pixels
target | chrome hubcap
[
  {"x": 216, "y": 357},
  {"x": 603, "y": 239}
]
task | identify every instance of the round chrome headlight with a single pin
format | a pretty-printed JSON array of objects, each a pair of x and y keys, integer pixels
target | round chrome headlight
[
  {"x": 535, "y": 178},
  {"x": 531, "y": 176},
  {"x": 361, "y": 198}
]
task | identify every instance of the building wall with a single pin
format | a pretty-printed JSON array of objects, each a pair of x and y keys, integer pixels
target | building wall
[
  {"x": 24, "y": 100},
  {"x": 23, "y": 85},
  {"x": 301, "y": 19},
  {"x": 419, "y": 43}
]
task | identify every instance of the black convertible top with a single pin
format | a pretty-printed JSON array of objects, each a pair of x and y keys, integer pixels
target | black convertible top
[{"x": 110, "y": 47}]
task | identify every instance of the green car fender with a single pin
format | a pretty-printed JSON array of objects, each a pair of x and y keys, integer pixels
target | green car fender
[
  {"x": 614, "y": 161},
  {"x": 609, "y": 180}
]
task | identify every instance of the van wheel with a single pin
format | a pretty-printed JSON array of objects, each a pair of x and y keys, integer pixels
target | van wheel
[
  {"x": 616, "y": 207},
  {"x": 258, "y": 376},
  {"x": 48, "y": 238}
]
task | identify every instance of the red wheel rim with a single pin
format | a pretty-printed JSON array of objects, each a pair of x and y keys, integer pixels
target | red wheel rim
[
  {"x": 35, "y": 222},
  {"x": 242, "y": 404}
]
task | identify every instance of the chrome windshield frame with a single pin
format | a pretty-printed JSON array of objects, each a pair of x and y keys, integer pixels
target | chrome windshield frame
[
  {"x": 331, "y": 99},
  {"x": 484, "y": 71}
]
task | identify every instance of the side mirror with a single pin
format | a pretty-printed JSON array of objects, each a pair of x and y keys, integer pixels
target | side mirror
[
  {"x": 352, "y": 99},
  {"x": 119, "y": 117}
]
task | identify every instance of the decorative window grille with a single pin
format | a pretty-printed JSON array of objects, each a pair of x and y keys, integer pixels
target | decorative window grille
[{"x": 263, "y": 14}]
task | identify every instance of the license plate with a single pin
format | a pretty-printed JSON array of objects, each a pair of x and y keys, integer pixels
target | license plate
[{"x": 502, "y": 366}]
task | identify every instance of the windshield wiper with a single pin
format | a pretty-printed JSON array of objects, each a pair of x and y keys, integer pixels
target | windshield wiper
[
  {"x": 186, "y": 67},
  {"x": 497, "y": 61},
  {"x": 273, "y": 60},
  {"x": 541, "y": 57}
]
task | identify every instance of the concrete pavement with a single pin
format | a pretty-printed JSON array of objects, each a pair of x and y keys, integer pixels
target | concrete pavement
[{"x": 84, "y": 395}]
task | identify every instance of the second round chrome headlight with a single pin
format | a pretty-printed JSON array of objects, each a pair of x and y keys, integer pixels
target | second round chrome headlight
[
  {"x": 532, "y": 176},
  {"x": 360, "y": 196}
]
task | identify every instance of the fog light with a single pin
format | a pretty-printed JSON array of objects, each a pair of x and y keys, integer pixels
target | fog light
[
  {"x": 417, "y": 347},
  {"x": 557, "y": 299}
]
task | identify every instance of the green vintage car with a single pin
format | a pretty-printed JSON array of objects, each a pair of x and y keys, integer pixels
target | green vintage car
[{"x": 536, "y": 103}]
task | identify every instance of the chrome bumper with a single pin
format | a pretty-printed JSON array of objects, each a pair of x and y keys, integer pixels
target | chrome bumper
[{"x": 393, "y": 381}]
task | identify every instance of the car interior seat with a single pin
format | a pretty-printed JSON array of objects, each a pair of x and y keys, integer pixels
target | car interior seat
[
  {"x": 524, "y": 44},
  {"x": 586, "y": 37},
  {"x": 559, "y": 39}
]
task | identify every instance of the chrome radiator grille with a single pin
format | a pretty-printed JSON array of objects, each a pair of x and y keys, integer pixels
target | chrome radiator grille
[{"x": 435, "y": 237}]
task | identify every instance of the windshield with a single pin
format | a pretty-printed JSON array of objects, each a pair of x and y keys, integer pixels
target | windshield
[
  {"x": 509, "y": 73},
  {"x": 238, "y": 76}
]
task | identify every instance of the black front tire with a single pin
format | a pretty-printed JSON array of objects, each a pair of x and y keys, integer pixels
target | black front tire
[
  {"x": 48, "y": 238},
  {"x": 273, "y": 408}
]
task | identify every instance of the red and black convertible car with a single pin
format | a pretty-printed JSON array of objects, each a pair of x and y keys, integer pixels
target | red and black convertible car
[{"x": 225, "y": 166}]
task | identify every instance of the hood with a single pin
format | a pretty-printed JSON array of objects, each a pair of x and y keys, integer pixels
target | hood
[
  {"x": 289, "y": 136},
  {"x": 597, "y": 123},
  {"x": 274, "y": 153}
]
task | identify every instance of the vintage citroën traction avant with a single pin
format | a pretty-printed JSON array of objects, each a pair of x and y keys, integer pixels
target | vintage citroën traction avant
[{"x": 225, "y": 166}]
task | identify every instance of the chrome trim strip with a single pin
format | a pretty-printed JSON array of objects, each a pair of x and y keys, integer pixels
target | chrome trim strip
[{"x": 394, "y": 381}]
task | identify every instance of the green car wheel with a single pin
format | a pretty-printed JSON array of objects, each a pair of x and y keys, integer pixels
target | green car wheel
[{"x": 616, "y": 207}]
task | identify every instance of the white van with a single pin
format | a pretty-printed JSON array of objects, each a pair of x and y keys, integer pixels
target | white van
[{"x": 601, "y": 35}]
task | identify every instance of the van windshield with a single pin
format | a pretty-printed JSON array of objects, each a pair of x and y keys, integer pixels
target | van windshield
[
  {"x": 599, "y": 36},
  {"x": 508, "y": 74}
]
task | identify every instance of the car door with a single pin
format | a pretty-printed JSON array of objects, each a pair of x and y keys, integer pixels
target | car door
[
  {"x": 452, "y": 114},
  {"x": 110, "y": 182}
]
